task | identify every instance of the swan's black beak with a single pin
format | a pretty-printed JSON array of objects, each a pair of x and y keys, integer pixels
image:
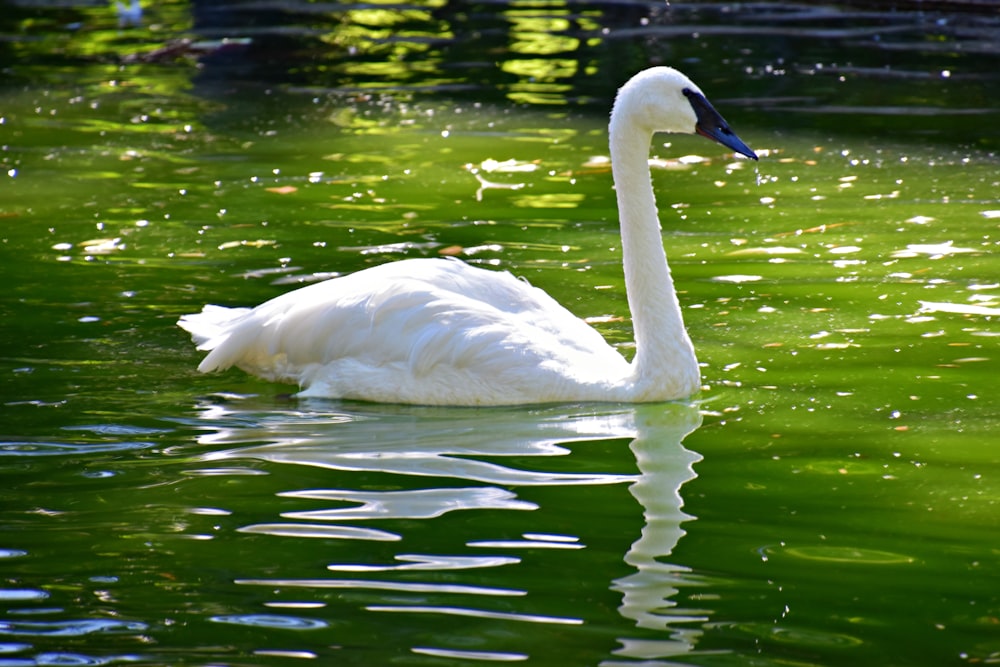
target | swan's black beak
[{"x": 712, "y": 125}]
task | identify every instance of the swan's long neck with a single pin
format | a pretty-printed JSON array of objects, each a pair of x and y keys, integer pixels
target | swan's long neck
[{"x": 664, "y": 354}]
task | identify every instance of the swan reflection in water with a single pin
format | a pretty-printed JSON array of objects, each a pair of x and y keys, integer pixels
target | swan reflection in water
[
  {"x": 362, "y": 444},
  {"x": 664, "y": 466}
]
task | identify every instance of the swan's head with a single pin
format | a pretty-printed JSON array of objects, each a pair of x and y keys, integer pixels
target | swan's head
[{"x": 661, "y": 99}]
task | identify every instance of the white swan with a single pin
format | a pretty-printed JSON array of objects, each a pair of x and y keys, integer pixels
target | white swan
[{"x": 441, "y": 332}]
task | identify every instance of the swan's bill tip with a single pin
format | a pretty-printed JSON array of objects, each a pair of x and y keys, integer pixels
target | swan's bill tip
[
  {"x": 712, "y": 125},
  {"x": 725, "y": 136}
]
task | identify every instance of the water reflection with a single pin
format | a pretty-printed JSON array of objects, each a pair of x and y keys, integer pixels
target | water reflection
[
  {"x": 537, "y": 54},
  {"x": 647, "y": 594},
  {"x": 826, "y": 67},
  {"x": 402, "y": 464},
  {"x": 422, "y": 442}
]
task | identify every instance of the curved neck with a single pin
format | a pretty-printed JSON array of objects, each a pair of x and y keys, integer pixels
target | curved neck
[{"x": 662, "y": 345}]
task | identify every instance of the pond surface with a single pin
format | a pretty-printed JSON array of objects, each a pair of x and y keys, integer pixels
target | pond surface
[{"x": 831, "y": 497}]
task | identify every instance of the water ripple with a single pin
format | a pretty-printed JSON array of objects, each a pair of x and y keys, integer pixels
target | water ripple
[
  {"x": 433, "y": 563},
  {"x": 116, "y": 429},
  {"x": 531, "y": 541},
  {"x": 6, "y": 648},
  {"x": 488, "y": 656},
  {"x": 322, "y": 532},
  {"x": 413, "y": 504},
  {"x": 448, "y": 443},
  {"x": 477, "y": 613},
  {"x": 69, "y": 628},
  {"x": 22, "y": 594},
  {"x": 73, "y": 659},
  {"x": 365, "y": 584},
  {"x": 28, "y": 448},
  {"x": 271, "y": 621}
]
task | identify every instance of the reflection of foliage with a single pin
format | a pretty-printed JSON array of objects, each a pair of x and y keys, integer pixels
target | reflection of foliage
[
  {"x": 54, "y": 34},
  {"x": 813, "y": 64}
]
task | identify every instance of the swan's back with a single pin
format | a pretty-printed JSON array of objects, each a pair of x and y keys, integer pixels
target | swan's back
[{"x": 424, "y": 330}]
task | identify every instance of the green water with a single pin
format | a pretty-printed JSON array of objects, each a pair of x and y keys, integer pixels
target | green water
[{"x": 831, "y": 497}]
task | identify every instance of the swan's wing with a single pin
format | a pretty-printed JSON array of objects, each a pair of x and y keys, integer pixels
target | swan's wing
[{"x": 416, "y": 313}]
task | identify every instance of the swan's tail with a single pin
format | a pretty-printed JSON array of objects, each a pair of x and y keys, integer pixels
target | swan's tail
[
  {"x": 211, "y": 327},
  {"x": 211, "y": 324}
]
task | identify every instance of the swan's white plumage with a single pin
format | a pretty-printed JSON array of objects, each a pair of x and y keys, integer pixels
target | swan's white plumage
[
  {"x": 418, "y": 331},
  {"x": 439, "y": 331}
]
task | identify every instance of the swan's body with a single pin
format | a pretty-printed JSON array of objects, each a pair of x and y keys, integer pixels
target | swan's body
[{"x": 438, "y": 331}]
